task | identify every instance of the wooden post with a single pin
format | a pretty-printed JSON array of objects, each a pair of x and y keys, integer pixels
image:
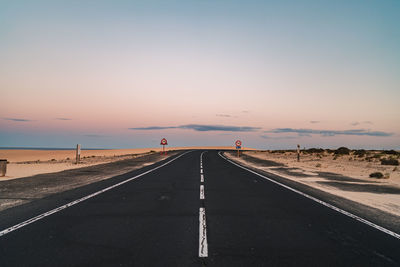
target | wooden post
[
  {"x": 3, "y": 167},
  {"x": 298, "y": 152},
  {"x": 78, "y": 153}
]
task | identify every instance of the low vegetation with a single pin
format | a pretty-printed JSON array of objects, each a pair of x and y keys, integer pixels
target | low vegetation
[
  {"x": 314, "y": 150},
  {"x": 378, "y": 175},
  {"x": 359, "y": 153},
  {"x": 391, "y": 152},
  {"x": 342, "y": 151},
  {"x": 390, "y": 161}
]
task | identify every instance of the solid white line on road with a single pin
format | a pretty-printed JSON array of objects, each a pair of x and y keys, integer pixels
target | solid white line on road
[
  {"x": 380, "y": 228},
  {"x": 202, "y": 192},
  {"x": 201, "y": 178},
  {"x": 203, "y": 245},
  {"x": 43, "y": 215}
]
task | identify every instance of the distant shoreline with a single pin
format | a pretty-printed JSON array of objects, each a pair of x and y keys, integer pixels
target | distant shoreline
[{"x": 52, "y": 148}]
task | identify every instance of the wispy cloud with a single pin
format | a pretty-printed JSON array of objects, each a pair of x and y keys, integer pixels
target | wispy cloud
[
  {"x": 223, "y": 115},
  {"x": 202, "y": 128},
  {"x": 16, "y": 119},
  {"x": 358, "y": 123},
  {"x": 314, "y": 121},
  {"x": 278, "y": 137},
  {"x": 63, "y": 119},
  {"x": 359, "y": 132}
]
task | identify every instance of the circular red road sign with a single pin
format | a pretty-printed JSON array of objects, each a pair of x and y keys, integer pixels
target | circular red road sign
[
  {"x": 164, "y": 142},
  {"x": 238, "y": 143}
]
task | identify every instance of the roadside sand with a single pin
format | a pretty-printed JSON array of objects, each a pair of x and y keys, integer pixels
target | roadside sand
[
  {"x": 23, "y": 163},
  {"x": 348, "y": 165},
  {"x": 341, "y": 177}
]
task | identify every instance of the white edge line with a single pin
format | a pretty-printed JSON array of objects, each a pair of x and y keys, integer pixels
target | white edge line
[
  {"x": 203, "y": 245},
  {"x": 41, "y": 216},
  {"x": 380, "y": 228}
]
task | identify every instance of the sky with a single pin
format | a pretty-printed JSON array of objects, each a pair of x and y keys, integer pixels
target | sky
[{"x": 274, "y": 74}]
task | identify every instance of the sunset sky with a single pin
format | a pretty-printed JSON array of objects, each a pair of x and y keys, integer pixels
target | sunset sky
[{"x": 124, "y": 74}]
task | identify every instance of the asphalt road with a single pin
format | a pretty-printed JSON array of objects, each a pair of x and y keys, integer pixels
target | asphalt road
[{"x": 189, "y": 212}]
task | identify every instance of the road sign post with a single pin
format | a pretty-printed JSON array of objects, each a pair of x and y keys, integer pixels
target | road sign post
[
  {"x": 164, "y": 142},
  {"x": 78, "y": 153},
  {"x": 298, "y": 152},
  {"x": 238, "y": 144}
]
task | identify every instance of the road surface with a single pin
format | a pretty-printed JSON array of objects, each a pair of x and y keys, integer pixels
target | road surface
[{"x": 194, "y": 209}]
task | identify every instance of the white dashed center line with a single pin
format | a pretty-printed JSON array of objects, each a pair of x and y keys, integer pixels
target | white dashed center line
[
  {"x": 202, "y": 192},
  {"x": 203, "y": 245}
]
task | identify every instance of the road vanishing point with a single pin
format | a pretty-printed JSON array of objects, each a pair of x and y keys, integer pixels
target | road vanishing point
[{"x": 196, "y": 208}]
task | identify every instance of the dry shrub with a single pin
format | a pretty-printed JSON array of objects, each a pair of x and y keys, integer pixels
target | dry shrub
[
  {"x": 390, "y": 161},
  {"x": 378, "y": 175}
]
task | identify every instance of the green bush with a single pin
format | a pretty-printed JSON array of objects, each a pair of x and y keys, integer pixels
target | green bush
[{"x": 378, "y": 175}]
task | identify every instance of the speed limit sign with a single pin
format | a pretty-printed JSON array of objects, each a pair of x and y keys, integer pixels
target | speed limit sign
[{"x": 238, "y": 143}]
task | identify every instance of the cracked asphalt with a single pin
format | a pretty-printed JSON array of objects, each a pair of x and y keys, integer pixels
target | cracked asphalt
[{"x": 154, "y": 221}]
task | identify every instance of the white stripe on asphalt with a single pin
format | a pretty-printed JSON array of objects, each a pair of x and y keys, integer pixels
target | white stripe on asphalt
[
  {"x": 201, "y": 178},
  {"x": 202, "y": 192},
  {"x": 43, "y": 215},
  {"x": 201, "y": 170},
  {"x": 203, "y": 245},
  {"x": 380, "y": 228}
]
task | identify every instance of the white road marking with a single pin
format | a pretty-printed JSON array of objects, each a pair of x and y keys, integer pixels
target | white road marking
[
  {"x": 201, "y": 170},
  {"x": 201, "y": 178},
  {"x": 380, "y": 228},
  {"x": 202, "y": 192},
  {"x": 203, "y": 245},
  {"x": 43, "y": 215}
]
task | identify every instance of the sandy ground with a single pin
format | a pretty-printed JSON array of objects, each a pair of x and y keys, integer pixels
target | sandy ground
[
  {"x": 342, "y": 177},
  {"x": 347, "y": 165},
  {"x": 23, "y": 163}
]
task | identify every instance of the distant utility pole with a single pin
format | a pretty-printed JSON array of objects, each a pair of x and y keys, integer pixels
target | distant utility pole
[
  {"x": 78, "y": 153},
  {"x": 298, "y": 152}
]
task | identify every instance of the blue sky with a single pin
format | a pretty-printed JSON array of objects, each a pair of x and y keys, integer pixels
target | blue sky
[{"x": 273, "y": 73}]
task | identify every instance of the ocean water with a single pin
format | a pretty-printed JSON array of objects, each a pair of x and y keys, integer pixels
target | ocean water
[{"x": 51, "y": 148}]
